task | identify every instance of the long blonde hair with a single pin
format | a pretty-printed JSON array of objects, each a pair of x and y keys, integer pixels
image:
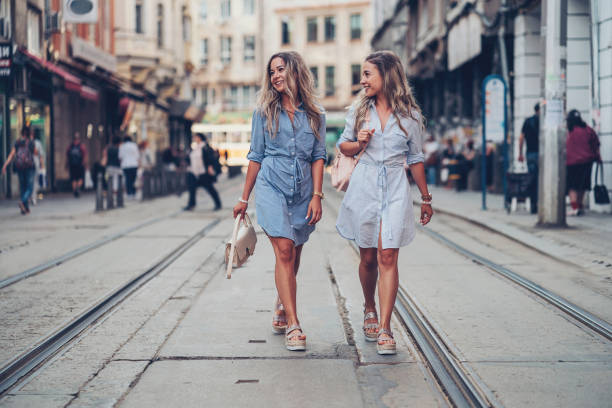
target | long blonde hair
[
  {"x": 395, "y": 87},
  {"x": 300, "y": 87}
]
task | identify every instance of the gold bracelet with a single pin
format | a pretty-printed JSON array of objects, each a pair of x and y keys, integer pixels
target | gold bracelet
[{"x": 319, "y": 194}]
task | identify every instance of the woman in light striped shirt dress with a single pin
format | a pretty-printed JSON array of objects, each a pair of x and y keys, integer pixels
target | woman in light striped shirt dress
[{"x": 376, "y": 211}]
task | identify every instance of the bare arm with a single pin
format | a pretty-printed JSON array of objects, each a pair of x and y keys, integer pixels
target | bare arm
[
  {"x": 418, "y": 174},
  {"x": 352, "y": 148},
  {"x": 521, "y": 140},
  {"x": 315, "y": 211},
  {"x": 8, "y": 160},
  {"x": 249, "y": 183}
]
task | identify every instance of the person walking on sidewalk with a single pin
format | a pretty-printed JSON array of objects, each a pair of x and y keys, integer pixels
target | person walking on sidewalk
[
  {"x": 112, "y": 163},
  {"x": 582, "y": 147},
  {"x": 129, "y": 156},
  {"x": 76, "y": 161},
  {"x": 23, "y": 152},
  {"x": 286, "y": 163},
  {"x": 201, "y": 172},
  {"x": 39, "y": 166},
  {"x": 376, "y": 211},
  {"x": 530, "y": 133}
]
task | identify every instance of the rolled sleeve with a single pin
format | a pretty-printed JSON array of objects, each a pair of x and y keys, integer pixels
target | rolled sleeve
[
  {"x": 415, "y": 144},
  {"x": 258, "y": 142},
  {"x": 348, "y": 133},
  {"x": 319, "y": 151}
]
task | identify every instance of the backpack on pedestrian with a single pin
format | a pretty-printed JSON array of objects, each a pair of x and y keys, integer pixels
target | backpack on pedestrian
[
  {"x": 212, "y": 156},
  {"x": 24, "y": 156},
  {"x": 75, "y": 155}
]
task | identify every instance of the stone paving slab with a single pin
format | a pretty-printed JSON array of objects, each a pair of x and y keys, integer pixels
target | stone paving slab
[
  {"x": 234, "y": 317},
  {"x": 300, "y": 383}
]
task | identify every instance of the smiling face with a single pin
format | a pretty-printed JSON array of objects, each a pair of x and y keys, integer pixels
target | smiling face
[
  {"x": 371, "y": 80},
  {"x": 278, "y": 74}
]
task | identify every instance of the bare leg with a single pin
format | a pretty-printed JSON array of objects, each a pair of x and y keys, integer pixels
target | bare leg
[
  {"x": 284, "y": 275},
  {"x": 573, "y": 195},
  {"x": 281, "y": 312},
  {"x": 388, "y": 284}
]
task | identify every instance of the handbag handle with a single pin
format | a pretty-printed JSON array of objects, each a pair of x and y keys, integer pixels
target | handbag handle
[
  {"x": 597, "y": 172},
  {"x": 367, "y": 119},
  {"x": 230, "y": 259}
]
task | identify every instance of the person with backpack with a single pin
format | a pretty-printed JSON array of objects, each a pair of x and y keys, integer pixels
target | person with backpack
[
  {"x": 23, "y": 153},
  {"x": 129, "y": 156},
  {"x": 203, "y": 170},
  {"x": 76, "y": 159}
]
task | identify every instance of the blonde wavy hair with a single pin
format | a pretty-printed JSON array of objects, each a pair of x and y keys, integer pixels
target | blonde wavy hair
[
  {"x": 300, "y": 88},
  {"x": 395, "y": 87}
]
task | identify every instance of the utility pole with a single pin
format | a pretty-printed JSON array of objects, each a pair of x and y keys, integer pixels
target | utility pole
[{"x": 551, "y": 211}]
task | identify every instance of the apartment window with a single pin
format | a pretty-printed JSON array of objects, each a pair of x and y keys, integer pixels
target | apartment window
[
  {"x": 226, "y": 9},
  {"x": 213, "y": 96},
  {"x": 138, "y": 15},
  {"x": 5, "y": 18},
  {"x": 355, "y": 26},
  {"x": 286, "y": 32},
  {"x": 330, "y": 88},
  {"x": 160, "y": 25},
  {"x": 330, "y": 28},
  {"x": 311, "y": 29},
  {"x": 248, "y": 7},
  {"x": 33, "y": 23},
  {"x": 248, "y": 96},
  {"x": 355, "y": 78},
  {"x": 249, "y": 48},
  {"x": 186, "y": 24},
  {"x": 204, "y": 92},
  {"x": 226, "y": 50},
  {"x": 203, "y": 10},
  {"x": 315, "y": 75},
  {"x": 204, "y": 59}
]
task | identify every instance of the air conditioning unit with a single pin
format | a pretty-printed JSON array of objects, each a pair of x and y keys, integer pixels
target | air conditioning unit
[
  {"x": 5, "y": 27},
  {"x": 53, "y": 23}
]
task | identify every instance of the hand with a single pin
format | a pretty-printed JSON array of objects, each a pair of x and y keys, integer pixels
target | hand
[
  {"x": 364, "y": 135},
  {"x": 211, "y": 170},
  {"x": 314, "y": 210},
  {"x": 521, "y": 158},
  {"x": 240, "y": 208},
  {"x": 426, "y": 213}
]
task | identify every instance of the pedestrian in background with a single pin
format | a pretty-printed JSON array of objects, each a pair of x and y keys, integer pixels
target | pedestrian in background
[
  {"x": 76, "y": 161},
  {"x": 129, "y": 156},
  {"x": 201, "y": 172},
  {"x": 112, "y": 163},
  {"x": 39, "y": 166},
  {"x": 286, "y": 163},
  {"x": 23, "y": 153},
  {"x": 376, "y": 211},
  {"x": 530, "y": 133},
  {"x": 582, "y": 147},
  {"x": 145, "y": 163},
  {"x": 465, "y": 165},
  {"x": 430, "y": 150}
]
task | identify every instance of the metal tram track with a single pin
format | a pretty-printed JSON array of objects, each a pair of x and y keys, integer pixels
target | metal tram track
[
  {"x": 581, "y": 315},
  {"x": 460, "y": 389},
  {"x": 24, "y": 364}
]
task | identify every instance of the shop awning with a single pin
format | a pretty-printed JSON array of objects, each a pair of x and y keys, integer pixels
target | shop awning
[
  {"x": 89, "y": 93},
  {"x": 186, "y": 110},
  {"x": 71, "y": 82}
]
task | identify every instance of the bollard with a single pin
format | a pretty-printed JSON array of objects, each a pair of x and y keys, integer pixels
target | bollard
[
  {"x": 99, "y": 198},
  {"x": 164, "y": 183},
  {"x": 120, "y": 191},
  {"x": 146, "y": 185},
  {"x": 109, "y": 193}
]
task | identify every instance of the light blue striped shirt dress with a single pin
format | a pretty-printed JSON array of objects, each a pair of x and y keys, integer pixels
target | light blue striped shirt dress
[
  {"x": 379, "y": 189},
  {"x": 284, "y": 186}
]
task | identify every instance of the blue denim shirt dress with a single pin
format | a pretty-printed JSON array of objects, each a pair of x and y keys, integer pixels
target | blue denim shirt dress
[
  {"x": 379, "y": 189},
  {"x": 284, "y": 185}
]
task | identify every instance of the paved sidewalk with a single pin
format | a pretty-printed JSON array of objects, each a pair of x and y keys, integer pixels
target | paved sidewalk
[{"x": 585, "y": 242}]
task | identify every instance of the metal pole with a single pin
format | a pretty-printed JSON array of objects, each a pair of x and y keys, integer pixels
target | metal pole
[
  {"x": 99, "y": 198},
  {"x": 120, "y": 190},
  {"x": 551, "y": 202},
  {"x": 110, "y": 186}
]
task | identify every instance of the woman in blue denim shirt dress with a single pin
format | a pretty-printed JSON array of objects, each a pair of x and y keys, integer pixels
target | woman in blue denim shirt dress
[
  {"x": 376, "y": 211},
  {"x": 286, "y": 167}
]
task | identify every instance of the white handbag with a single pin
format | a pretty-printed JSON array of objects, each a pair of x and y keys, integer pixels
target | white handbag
[{"x": 241, "y": 244}]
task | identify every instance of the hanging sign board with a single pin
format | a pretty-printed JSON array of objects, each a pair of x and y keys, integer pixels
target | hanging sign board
[{"x": 6, "y": 60}]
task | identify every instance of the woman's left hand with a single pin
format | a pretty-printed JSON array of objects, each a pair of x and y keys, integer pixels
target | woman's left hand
[
  {"x": 314, "y": 210},
  {"x": 426, "y": 213}
]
